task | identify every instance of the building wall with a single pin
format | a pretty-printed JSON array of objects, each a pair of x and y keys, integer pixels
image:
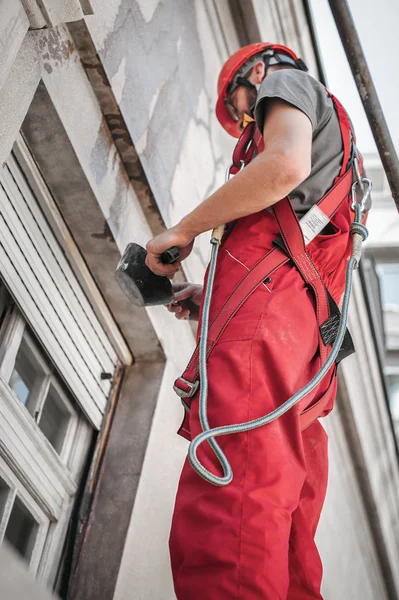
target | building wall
[
  {"x": 382, "y": 247},
  {"x": 183, "y": 167},
  {"x": 162, "y": 60}
]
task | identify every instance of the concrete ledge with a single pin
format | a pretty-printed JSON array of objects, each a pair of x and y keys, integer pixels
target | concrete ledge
[
  {"x": 101, "y": 553},
  {"x": 75, "y": 199}
]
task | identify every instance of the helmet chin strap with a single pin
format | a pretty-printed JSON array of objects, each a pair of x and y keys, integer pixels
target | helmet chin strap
[{"x": 248, "y": 118}]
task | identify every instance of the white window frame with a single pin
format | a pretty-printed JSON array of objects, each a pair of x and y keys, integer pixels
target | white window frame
[
  {"x": 15, "y": 332},
  {"x": 42, "y": 520},
  {"x": 47, "y": 276},
  {"x": 46, "y": 481}
]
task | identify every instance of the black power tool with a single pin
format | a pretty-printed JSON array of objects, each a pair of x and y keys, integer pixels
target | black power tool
[{"x": 139, "y": 284}]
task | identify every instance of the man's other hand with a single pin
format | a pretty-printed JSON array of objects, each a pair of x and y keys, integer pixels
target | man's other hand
[{"x": 186, "y": 301}]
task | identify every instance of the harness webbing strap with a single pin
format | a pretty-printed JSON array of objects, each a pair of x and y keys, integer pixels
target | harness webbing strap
[
  {"x": 347, "y": 132},
  {"x": 251, "y": 141},
  {"x": 275, "y": 258},
  {"x": 292, "y": 236},
  {"x": 315, "y": 410}
]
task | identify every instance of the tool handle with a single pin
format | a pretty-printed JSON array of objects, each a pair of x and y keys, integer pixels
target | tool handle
[
  {"x": 170, "y": 256},
  {"x": 217, "y": 234}
]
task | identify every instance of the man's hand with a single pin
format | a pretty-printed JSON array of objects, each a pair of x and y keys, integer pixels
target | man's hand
[
  {"x": 187, "y": 300},
  {"x": 175, "y": 236}
]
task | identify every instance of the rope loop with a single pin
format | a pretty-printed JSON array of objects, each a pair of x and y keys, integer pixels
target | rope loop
[{"x": 360, "y": 229}]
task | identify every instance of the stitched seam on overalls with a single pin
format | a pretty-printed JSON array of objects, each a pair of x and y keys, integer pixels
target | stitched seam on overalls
[
  {"x": 245, "y": 266},
  {"x": 246, "y": 458}
]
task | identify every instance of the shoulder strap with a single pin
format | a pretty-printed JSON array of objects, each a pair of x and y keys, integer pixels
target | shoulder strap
[
  {"x": 294, "y": 242},
  {"x": 249, "y": 144},
  {"x": 347, "y": 132}
]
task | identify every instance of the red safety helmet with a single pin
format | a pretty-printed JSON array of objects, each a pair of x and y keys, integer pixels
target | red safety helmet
[{"x": 273, "y": 54}]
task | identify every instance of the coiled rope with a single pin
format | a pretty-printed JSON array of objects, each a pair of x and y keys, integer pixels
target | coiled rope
[{"x": 359, "y": 233}]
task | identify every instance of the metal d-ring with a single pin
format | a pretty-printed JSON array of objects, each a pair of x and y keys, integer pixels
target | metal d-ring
[{"x": 228, "y": 174}]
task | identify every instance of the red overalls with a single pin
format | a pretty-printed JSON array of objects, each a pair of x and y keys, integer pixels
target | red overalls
[{"x": 254, "y": 539}]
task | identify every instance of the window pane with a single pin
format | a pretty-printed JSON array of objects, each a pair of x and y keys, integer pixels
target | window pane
[
  {"x": 26, "y": 377},
  {"x": 54, "y": 419},
  {"x": 389, "y": 281},
  {"x": 393, "y": 392},
  {"x": 20, "y": 386},
  {"x": 21, "y": 529}
]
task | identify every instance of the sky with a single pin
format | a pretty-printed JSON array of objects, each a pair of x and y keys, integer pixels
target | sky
[{"x": 377, "y": 23}]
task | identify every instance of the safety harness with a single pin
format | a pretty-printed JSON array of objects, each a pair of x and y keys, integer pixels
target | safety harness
[{"x": 334, "y": 339}]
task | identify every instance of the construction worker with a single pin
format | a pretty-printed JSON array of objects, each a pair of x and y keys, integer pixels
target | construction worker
[{"x": 254, "y": 538}]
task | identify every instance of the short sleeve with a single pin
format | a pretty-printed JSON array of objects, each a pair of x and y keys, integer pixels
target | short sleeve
[{"x": 299, "y": 89}]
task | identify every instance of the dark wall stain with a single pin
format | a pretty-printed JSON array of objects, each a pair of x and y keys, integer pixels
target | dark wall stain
[{"x": 55, "y": 47}]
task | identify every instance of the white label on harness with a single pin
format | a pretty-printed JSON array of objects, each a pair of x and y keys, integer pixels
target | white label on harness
[{"x": 312, "y": 223}]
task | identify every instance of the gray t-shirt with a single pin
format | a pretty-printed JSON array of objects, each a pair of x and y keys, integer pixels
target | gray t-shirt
[{"x": 302, "y": 91}]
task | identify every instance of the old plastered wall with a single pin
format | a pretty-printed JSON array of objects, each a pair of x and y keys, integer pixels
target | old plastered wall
[
  {"x": 162, "y": 60},
  {"x": 48, "y": 58}
]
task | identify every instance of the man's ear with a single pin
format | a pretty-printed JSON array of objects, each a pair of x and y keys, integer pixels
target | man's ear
[{"x": 257, "y": 73}]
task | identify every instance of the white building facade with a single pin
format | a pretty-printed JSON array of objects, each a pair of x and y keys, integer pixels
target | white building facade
[
  {"x": 382, "y": 255},
  {"x": 107, "y": 134}
]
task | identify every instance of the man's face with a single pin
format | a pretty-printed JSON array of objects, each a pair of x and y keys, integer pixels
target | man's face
[{"x": 243, "y": 98}]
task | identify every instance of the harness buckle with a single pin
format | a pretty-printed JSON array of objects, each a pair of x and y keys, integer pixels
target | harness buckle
[{"x": 188, "y": 393}]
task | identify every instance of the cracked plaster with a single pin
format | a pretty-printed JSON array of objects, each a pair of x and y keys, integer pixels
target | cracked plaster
[{"x": 167, "y": 99}]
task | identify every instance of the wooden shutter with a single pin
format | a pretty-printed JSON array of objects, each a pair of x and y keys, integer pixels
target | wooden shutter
[{"x": 41, "y": 280}]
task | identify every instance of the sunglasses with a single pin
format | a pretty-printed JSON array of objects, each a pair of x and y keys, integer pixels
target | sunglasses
[{"x": 229, "y": 104}]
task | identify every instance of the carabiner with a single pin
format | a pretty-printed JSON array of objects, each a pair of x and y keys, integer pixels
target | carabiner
[{"x": 366, "y": 193}]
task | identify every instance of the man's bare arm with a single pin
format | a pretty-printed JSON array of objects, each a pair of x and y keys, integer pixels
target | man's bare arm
[{"x": 280, "y": 168}]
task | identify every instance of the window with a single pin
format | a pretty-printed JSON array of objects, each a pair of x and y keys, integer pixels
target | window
[
  {"x": 53, "y": 351},
  {"x": 21, "y": 530},
  {"x": 29, "y": 375},
  {"x": 56, "y": 417},
  {"x": 389, "y": 281},
  {"x": 23, "y": 524},
  {"x": 388, "y": 274},
  {"x": 48, "y": 431},
  {"x": 36, "y": 386},
  {"x": 393, "y": 392}
]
